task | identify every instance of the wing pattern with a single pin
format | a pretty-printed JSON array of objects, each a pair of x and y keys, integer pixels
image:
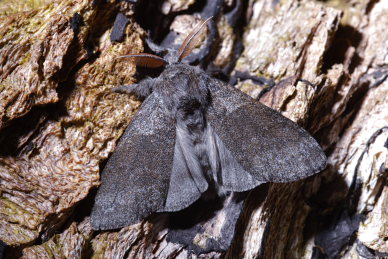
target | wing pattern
[
  {"x": 266, "y": 144},
  {"x": 135, "y": 180}
]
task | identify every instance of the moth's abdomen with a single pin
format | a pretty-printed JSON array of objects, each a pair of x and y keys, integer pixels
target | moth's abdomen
[{"x": 191, "y": 135}]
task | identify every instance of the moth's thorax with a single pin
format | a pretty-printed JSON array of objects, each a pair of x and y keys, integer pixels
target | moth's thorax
[
  {"x": 189, "y": 95},
  {"x": 185, "y": 87}
]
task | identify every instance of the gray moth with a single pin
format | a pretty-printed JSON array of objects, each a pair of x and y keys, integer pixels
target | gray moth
[{"x": 193, "y": 132}]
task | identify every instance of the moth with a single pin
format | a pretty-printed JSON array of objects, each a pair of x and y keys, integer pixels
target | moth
[{"x": 193, "y": 132}]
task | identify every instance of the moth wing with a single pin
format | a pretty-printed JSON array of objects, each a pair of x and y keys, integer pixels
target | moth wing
[
  {"x": 186, "y": 183},
  {"x": 264, "y": 143},
  {"x": 229, "y": 172},
  {"x": 136, "y": 179}
]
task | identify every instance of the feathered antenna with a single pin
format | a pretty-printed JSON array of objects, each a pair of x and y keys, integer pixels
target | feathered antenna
[
  {"x": 153, "y": 61},
  {"x": 146, "y": 60},
  {"x": 190, "y": 41}
]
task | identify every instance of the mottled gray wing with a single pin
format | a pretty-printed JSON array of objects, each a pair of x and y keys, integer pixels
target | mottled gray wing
[
  {"x": 147, "y": 172},
  {"x": 264, "y": 143},
  {"x": 136, "y": 179}
]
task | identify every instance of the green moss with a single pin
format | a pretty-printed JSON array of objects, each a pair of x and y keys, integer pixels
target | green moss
[
  {"x": 26, "y": 58},
  {"x": 8, "y": 7},
  {"x": 11, "y": 209}
]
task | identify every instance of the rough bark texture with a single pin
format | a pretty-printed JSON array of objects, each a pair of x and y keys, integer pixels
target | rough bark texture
[{"x": 59, "y": 122}]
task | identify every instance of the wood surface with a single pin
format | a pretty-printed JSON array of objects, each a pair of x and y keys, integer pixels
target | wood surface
[{"x": 59, "y": 121}]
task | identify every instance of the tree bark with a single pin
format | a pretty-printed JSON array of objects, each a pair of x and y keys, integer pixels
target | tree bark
[{"x": 59, "y": 121}]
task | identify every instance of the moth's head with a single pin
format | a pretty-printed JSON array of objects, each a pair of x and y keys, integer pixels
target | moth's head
[{"x": 153, "y": 61}]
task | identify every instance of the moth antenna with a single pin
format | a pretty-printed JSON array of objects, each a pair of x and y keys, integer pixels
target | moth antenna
[
  {"x": 190, "y": 41},
  {"x": 146, "y": 60}
]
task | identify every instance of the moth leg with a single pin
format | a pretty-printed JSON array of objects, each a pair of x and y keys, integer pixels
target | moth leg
[
  {"x": 262, "y": 81},
  {"x": 141, "y": 90},
  {"x": 292, "y": 80}
]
